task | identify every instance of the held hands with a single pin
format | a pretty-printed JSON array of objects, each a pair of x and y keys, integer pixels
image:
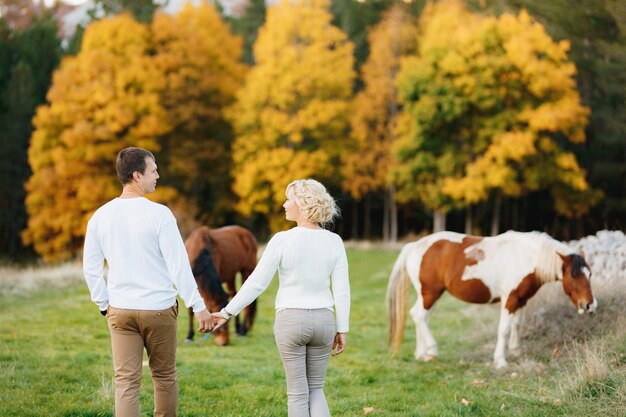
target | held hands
[
  {"x": 219, "y": 321},
  {"x": 205, "y": 321},
  {"x": 340, "y": 343}
]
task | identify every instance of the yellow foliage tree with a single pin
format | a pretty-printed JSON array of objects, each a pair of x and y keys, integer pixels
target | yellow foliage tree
[
  {"x": 529, "y": 152},
  {"x": 102, "y": 100},
  {"x": 291, "y": 116},
  {"x": 489, "y": 105},
  {"x": 200, "y": 62},
  {"x": 366, "y": 163}
]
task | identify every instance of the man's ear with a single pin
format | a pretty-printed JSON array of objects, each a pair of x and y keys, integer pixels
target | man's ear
[{"x": 136, "y": 175}]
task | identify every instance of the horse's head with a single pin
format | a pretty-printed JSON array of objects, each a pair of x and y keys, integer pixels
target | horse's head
[
  {"x": 221, "y": 336},
  {"x": 577, "y": 282}
]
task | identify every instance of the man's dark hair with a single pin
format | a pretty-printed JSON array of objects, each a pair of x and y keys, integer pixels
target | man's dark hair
[{"x": 130, "y": 160}]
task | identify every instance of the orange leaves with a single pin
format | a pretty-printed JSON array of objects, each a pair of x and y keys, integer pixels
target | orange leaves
[
  {"x": 162, "y": 87},
  {"x": 102, "y": 100},
  {"x": 290, "y": 117},
  {"x": 121, "y": 35},
  {"x": 198, "y": 60},
  {"x": 367, "y": 162}
]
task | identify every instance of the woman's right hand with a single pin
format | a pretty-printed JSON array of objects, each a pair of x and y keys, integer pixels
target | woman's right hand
[
  {"x": 340, "y": 343},
  {"x": 218, "y": 321}
]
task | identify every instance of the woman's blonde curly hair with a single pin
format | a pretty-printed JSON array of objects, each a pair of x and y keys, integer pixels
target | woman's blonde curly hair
[{"x": 316, "y": 205}]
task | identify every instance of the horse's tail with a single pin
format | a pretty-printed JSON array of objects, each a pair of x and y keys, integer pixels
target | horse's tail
[{"x": 398, "y": 298}]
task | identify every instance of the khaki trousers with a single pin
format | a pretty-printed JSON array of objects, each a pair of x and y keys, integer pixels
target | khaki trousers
[
  {"x": 305, "y": 339},
  {"x": 131, "y": 332}
]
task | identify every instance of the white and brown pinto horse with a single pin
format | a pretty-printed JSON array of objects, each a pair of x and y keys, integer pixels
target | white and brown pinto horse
[{"x": 509, "y": 267}]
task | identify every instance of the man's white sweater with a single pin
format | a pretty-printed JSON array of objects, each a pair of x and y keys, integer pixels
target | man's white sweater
[{"x": 145, "y": 254}]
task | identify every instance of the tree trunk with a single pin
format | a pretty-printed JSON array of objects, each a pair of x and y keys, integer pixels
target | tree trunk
[
  {"x": 391, "y": 210},
  {"x": 355, "y": 219},
  {"x": 390, "y": 216},
  {"x": 366, "y": 217},
  {"x": 495, "y": 219},
  {"x": 468, "y": 220},
  {"x": 386, "y": 216},
  {"x": 524, "y": 214},
  {"x": 515, "y": 215},
  {"x": 393, "y": 214},
  {"x": 439, "y": 221}
]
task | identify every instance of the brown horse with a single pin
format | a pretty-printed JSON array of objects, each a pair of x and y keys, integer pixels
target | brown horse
[{"x": 222, "y": 253}]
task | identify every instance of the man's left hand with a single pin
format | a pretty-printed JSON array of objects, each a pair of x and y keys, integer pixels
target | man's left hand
[{"x": 205, "y": 321}]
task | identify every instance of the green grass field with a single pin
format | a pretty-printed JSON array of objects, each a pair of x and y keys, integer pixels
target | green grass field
[{"x": 55, "y": 360}]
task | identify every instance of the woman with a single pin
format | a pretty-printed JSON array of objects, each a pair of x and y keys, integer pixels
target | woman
[{"x": 308, "y": 259}]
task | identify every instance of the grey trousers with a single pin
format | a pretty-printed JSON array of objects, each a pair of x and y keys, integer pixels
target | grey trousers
[{"x": 305, "y": 339}]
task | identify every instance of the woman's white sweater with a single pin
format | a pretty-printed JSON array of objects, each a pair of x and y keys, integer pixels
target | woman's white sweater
[{"x": 308, "y": 261}]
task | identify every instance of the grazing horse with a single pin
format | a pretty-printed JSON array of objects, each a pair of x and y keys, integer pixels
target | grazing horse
[
  {"x": 225, "y": 251},
  {"x": 509, "y": 267}
]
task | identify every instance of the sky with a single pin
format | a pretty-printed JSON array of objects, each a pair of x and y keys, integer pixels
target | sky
[
  {"x": 77, "y": 2},
  {"x": 172, "y": 5},
  {"x": 80, "y": 15},
  {"x": 51, "y": 2}
]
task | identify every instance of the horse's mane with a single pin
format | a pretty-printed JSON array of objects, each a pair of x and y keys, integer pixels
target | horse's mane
[{"x": 549, "y": 264}]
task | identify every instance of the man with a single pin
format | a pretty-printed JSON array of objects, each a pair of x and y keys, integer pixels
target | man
[{"x": 146, "y": 257}]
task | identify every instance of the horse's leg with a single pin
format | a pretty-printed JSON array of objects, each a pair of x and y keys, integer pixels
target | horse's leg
[
  {"x": 232, "y": 291},
  {"x": 426, "y": 344},
  {"x": 190, "y": 333},
  {"x": 420, "y": 344},
  {"x": 514, "y": 346},
  {"x": 429, "y": 288},
  {"x": 504, "y": 328}
]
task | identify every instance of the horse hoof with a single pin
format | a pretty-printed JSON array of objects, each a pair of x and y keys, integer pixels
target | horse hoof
[
  {"x": 501, "y": 363},
  {"x": 427, "y": 358},
  {"x": 188, "y": 340}
]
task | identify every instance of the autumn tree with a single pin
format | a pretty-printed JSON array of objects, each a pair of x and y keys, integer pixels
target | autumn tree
[
  {"x": 366, "y": 164},
  {"x": 529, "y": 152},
  {"x": 491, "y": 103},
  {"x": 291, "y": 116},
  {"x": 596, "y": 30},
  {"x": 104, "y": 99},
  {"x": 199, "y": 60}
]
